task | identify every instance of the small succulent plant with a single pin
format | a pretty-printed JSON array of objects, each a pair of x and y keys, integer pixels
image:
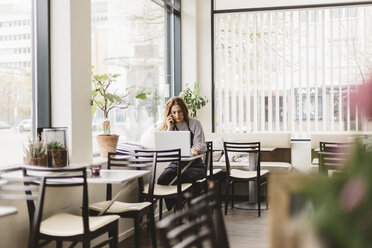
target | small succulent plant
[
  {"x": 54, "y": 145},
  {"x": 34, "y": 148}
]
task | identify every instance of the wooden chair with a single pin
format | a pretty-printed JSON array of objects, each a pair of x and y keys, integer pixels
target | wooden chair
[
  {"x": 153, "y": 191},
  {"x": 213, "y": 174},
  {"x": 65, "y": 227},
  {"x": 218, "y": 221},
  {"x": 193, "y": 227},
  {"x": 135, "y": 210},
  {"x": 235, "y": 175},
  {"x": 332, "y": 156},
  {"x": 14, "y": 188}
]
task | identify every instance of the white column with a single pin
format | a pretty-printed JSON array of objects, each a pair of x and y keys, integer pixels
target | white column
[{"x": 70, "y": 74}]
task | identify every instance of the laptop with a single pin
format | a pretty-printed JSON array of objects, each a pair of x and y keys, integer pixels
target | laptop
[{"x": 166, "y": 140}]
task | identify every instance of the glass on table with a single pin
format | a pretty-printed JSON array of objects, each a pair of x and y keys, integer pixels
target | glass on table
[{"x": 95, "y": 169}]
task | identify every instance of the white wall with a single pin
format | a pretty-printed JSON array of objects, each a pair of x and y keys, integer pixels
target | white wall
[
  {"x": 70, "y": 73},
  {"x": 196, "y": 52}
]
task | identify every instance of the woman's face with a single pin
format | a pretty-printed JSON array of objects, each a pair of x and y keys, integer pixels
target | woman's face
[{"x": 177, "y": 113}]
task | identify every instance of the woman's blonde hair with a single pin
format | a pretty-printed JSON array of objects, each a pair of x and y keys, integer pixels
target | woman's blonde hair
[{"x": 176, "y": 100}]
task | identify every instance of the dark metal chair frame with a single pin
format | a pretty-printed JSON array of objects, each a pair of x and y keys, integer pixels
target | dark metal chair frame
[
  {"x": 332, "y": 155},
  {"x": 50, "y": 181},
  {"x": 162, "y": 156},
  {"x": 131, "y": 161},
  {"x": 251, "y": 147},
  {"x": 213, "y": 177},
  {"x": 196, "y": 230}
]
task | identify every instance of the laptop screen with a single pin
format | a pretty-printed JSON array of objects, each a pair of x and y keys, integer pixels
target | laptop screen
[{"x": 166, "y": 140}]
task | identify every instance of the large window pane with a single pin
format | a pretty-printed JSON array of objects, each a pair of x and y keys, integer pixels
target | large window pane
[
  {"x": 291, "y": 70},
  {"x": 15, "y": 79},
  {"x": 129, "y": 38}
]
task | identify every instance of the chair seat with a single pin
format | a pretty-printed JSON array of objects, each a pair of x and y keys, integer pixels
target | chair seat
[
  {"x": 242, "y": 174},
  {"x": 164, "y": 190},
  {"x": 215, "y": 171},
  {"x": 64, "y": 225},
  {"x": 119, "y": 207}
]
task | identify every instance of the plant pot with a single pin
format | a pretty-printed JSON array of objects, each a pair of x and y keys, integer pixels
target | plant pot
[
  {"x": 40, "y": 161},
  {"x": 57, "y": 157},
  {"x": 107, "y": 143}
]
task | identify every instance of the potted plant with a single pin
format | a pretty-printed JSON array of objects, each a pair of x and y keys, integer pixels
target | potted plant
[
  {"x": 193, "y": 99},
  {"x": 104, "y": 98},
  {"x": 57, "y": 154},
  {"x": 35, "y": 153}
]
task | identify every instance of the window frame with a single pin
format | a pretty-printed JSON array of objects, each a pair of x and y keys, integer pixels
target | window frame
[{"x": 41, "y": 80}]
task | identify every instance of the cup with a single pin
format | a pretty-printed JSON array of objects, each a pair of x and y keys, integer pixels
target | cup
[{"x": 95, "y": 169}]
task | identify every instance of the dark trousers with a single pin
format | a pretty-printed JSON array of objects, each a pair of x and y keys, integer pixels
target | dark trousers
[{"x": 190, "y": 175}]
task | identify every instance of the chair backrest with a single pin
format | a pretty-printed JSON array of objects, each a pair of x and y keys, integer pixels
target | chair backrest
[
  {"x": 16, "y": 187},
  {"x": 332, "y": 155},
  {"x": 217, "y": 217},
  {"x": 209, "y": 158},
  {"x": 190, "y": 228},
  {"x": 161, "y": 156},
  {"x": 243, "y": 149},
  {"x": 128, "y": 159},
  {"x": 57, "y": 177},
  {"x": 336, "y": 147}
]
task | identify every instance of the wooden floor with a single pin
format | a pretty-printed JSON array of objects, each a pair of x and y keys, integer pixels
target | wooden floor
[{"x": 244, "y": 229}]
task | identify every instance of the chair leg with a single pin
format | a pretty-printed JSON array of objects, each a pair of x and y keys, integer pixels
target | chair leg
[
  {"x": 152, "y": 228},
  {"x": 266, "y": 197},
  {"x": 113, "y": 234},
  {"x": 232, "y": 194},
  {"x": 227, "y": 194},
  {"x": 258, "y": 197},
  {"x": 160, "y": 208},
  {"x": 137, "y": 232}
]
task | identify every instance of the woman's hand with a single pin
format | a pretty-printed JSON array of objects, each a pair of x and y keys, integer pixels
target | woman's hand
[
  {"x": 170, "y": 123},
  {"x": 195, "y": 151}
]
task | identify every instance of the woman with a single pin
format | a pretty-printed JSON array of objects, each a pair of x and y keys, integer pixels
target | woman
[{"x": 177, "y": 118}]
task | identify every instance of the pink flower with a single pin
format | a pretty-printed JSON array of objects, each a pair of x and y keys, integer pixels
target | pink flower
[
  {"x": 362, "y": 99},
  {"x": 352, "y": 194}
]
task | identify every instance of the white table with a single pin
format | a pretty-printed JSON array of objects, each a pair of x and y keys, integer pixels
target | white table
[
  {"x": 5, "y": 211},
  {"x": 106, "y": 176}
]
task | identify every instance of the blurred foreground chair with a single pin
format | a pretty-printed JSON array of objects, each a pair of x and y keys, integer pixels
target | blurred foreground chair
[
  {"x": 65, "y": 227},
  {"x": 333, "y": 156},
  {"x": 134, "y": 210},
  {"x": 200, "y": 225},
  {"x": 250, "y": 150},
  {"x": 15, "y": 188}
]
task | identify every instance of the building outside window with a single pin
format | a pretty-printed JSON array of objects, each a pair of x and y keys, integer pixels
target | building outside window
[
  {"x": 15, "y": 79},
  {"x": 130, "y": 38}
]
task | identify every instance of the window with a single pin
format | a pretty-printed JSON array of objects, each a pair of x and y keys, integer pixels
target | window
[
  {"x": 136, "y": 40},
  {"x": 290, "y": 70},
  {"x": 15, "y": 81}
]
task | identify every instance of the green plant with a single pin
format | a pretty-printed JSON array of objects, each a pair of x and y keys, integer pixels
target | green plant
[
  {"x": 34, "y": 148},
  {"x": 193, "y": 99},
  {"x": 106, "y": 99},
  {"x": 54, "y": 145}
]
